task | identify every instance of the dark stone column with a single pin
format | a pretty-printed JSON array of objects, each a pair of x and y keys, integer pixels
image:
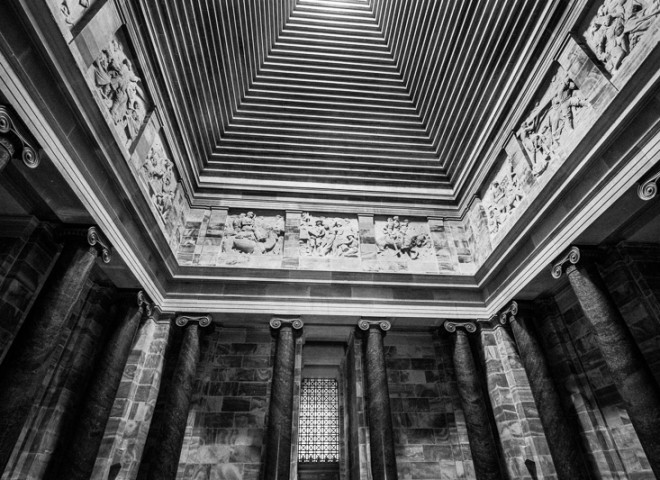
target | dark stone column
[
  {"x": 562, "y": 436},
  {"x": 166, "y": 462},
  {"x": 280, "y": 412},
  {"x": 630, "y": 372},
  {"x": 482, "y": 443},
  {"x": 26, "y": 363},
  {"x": 80, "y": 455},
  {"x": 381, "y": 435}
]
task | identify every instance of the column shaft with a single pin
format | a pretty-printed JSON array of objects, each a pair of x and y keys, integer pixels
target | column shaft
[
  {"x": 629, "y": 370},
  {"x": 164, "y": 466},
  {"x": 480, "y": 435},
  {"x": 28, "y": 359},
  {"x": 280, "y": 413},
  {"x": 563, "y": 438},
  {"x": 81, "y": 454},
  {"x": 381, "y": 438}
]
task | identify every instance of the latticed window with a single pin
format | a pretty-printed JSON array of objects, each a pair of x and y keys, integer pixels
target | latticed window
[{"x": 318, "y": 434}]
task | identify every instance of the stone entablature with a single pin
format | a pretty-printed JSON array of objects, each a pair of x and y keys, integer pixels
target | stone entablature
[{"x": 590, "y": 69}]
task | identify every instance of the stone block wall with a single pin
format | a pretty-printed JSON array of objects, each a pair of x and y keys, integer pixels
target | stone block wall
[
  {"x": 430, "y": 435},
  {"x": 227, "y": 420},
  {"x": 25, "y": 264}
]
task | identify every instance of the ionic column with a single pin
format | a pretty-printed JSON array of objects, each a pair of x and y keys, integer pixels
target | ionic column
[
  {"x": 27, "y": 361},
  {"x": 630, "y": 372},
  {"x": 562, "y": 436},
  {"x": 81, "y": 453},
  {"x": 280, "y": 412},
  {"x": 13, "y": 140},
  {"x": 381, "y": 431},
  {"x": 480, "y": 435},
  {"x": 164, "y": 465}
]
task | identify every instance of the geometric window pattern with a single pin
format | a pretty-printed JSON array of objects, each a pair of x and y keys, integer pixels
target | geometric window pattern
[{"x": 318, "y": 433}]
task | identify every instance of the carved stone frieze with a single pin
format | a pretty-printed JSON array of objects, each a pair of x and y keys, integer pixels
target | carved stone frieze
[
  {"x": 118, "y": 86},
  {"x": 617, "y": 29},
  {"x": 328, "y": 236},
  {"x": 73, "y": 10},
  {"x": 249, "y": 234},
  {"x": 554, "y": 113},
  {"x": 400, "y": 238},
  {"x": 158, "y": 170}
]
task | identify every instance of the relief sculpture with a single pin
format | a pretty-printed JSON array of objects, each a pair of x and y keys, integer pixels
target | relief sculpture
[
  {"x": 541, "y": 132},
  {"x": 328, "y": 236},
  {"x": 618, "y": 27},
  {"x": 249, "y": 234},
  {"x": 398, "y": 238},
  {"x": 119, "y": 88},
  {"x": 158, "y": 170},
  {"x": 503, "y": 197}
]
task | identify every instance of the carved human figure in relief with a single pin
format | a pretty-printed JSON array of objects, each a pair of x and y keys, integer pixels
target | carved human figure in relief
[
  {"x": 248, "y": 234},
  {"x": 617, "y": 28},
  {"x": 504, "y": 196},
  {"x": 119, "y": 89},
  {"x": 402, "y": 239},
  {"x": 328, "y": 237},
  {"x": 159, "y": 172}
]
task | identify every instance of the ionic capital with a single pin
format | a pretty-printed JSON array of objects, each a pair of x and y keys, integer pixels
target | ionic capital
[
  {"x": 145, "y": 305},
  {"x": 648, "y": 187},
  {"x": 508, "y": 315},
  {"x": 30, "y": 155},
  {"x": 570, "y": 257},
  {"x": 365, "y": 324},
  {"x": 467, "y": 325},
  {"x": 94, "y": 237},
  {"x": 202, "y": 320},
  {"x": 277, "y": 322}
]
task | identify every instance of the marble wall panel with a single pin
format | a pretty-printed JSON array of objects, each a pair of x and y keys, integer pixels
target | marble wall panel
[
  {"x": 430, "y": 434},
  {"x": 227, "y": 420}
]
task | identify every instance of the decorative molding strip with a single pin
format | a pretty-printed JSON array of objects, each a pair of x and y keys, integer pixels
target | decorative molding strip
[
  {"x": 572, "y": 256},
  {"x": 648, "y": 188},
  {"x": 365, "y": 325},
  {"x": 30, "y": 155},
  {"x": 469, "y": 326},
  {"x": 96, "y": 239},
  {"x": 509, "y": 313},
  {"x": 202, "y": 320},
  {"x": 277, "y": 322}
]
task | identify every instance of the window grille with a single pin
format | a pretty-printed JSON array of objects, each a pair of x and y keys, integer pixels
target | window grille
[{"x": 318, "y": 433}]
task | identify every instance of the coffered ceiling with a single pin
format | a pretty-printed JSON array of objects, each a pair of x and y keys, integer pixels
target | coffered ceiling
[{"x": 358, "y": 97}]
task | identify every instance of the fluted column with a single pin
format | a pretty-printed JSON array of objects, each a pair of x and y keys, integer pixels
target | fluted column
[
  {"x": 630, "y": 372},
  {"x": 166, "y": 462},
  {"x": 81, "y": 453},
  {"x": 562, "y": 436},
  {"x": 381, "y": 431},
  {"x": 27, "y": 361},
  {"x": 280, "y": 412},
  {"x": 480, "y": 435}
]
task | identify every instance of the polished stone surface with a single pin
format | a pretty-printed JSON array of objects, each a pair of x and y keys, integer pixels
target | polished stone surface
[
  {"x": 630, "y": 373},
  {"x": 93, "y": 416},
  {"x": 278, "y": 441},
  {"x": 482, "y": 444},
  {"x": 562, "y": 436},
  {"x": 166, "y": 463},
  {"x": 383, "y": 458},
  {"x": 25, "y": 364}
]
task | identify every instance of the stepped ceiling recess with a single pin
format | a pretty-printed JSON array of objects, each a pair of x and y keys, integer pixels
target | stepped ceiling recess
[{"x": 355, "y": 98}]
